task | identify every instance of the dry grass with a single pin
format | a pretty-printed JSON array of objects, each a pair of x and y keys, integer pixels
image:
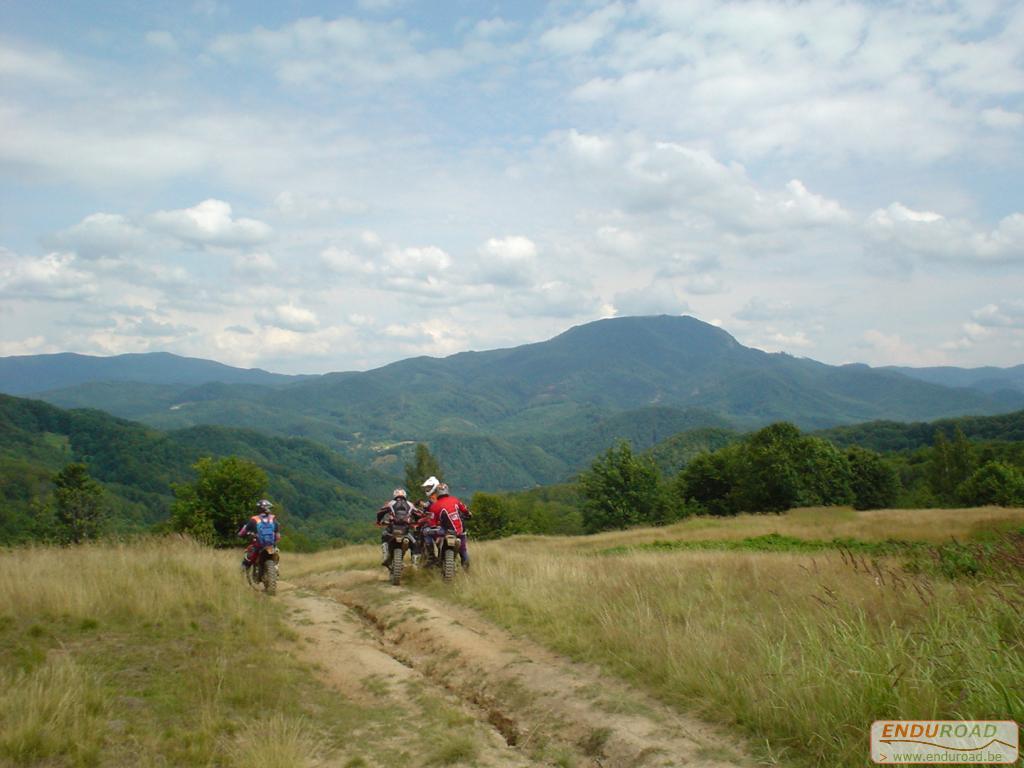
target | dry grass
[
  {"x": 149, "y": 580},
  {"x": 156, "y": 653},
  {"x": 800, "y": 652},
  {"x": 343, "y": 559},
  {"x": 823, "y": 523}
]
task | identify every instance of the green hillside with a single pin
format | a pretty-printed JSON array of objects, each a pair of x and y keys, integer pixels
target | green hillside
[
  {"x": 890, "y": 436},
  {"x": 322, "y": 495}
]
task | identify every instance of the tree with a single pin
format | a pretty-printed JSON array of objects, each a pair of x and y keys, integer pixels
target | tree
[
  {"x": 993, "y": 483},
  {"x": 769, "y": 478},
  {"x": 708, "y": 481},
  {"x": 874, "y": 481},
  {"x": 223, "y": 495},
  {"x": 622, "y": 489},
  {"x": 79, "y": 504},
  {"x": 490, "y": 516},
  {"x": 951, "y": 464},
  {"x": 423, "y": 465}
]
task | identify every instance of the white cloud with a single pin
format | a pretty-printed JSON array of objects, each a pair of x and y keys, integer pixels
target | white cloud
[
  {"x": 313, "y": 51},
  {"x": 582, "y": 34},
  {"x": 34, "y": 65},
  {"x": 288, "y": 317},
  {"x": 930, "y": 234},
  {"x": 53, "y": 277},
  {"x": 303, "y": 206},
  {"x": 657, "y": 298},
  {"x": 997, "y": 117},
  {"x": 759, "y": 310},
  {"x": 1007, "y": 314},
  {"x": 210, "y": 223},
  {"x": 891, "y": 349},
  {"x": 256, "y": 266},
  {"x": 509, "y": 261},
  {"x": 162, "y": 40},
  {"x": 104, "y": 235}
]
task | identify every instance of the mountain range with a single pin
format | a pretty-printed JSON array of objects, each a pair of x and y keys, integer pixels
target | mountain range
[{"x": 533, "y": 414}]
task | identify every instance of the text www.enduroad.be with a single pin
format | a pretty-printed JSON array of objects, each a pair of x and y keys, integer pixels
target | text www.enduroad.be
[{"x": 950, "y": 757}]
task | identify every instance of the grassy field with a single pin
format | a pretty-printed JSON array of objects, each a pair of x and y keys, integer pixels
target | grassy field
[
  {"x": 157, "y": 654},
  {"x": 800, "y": 652}
]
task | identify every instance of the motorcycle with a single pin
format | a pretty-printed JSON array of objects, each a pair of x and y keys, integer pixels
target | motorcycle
[
  {"x": 444, "y": 549},
  {"x": 263, "y": 573},
  {"x": 399, "y": 539}
]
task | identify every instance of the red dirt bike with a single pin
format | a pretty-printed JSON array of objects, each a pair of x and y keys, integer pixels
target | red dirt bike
[{"x": 263, "y": 573}]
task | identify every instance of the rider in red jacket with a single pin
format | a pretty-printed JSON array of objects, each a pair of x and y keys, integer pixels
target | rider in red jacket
[{"x": 450, "y": 514}]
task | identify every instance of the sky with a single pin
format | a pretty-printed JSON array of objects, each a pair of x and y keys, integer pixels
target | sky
[{"x": 308, "y": 187}]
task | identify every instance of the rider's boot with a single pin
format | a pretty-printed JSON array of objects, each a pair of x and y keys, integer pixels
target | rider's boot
[{"x": 385, "y": 556}]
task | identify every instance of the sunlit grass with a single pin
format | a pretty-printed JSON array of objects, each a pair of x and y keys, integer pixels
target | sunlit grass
[{"x": 801, "y": 652}]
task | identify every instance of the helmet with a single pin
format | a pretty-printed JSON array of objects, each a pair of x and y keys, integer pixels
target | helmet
[
  {"x": 442, "y": 489},
  {"x": 264, "y": 506},
  {"x": 398, "y": 493},
  {"x": 430, "y": 485}
]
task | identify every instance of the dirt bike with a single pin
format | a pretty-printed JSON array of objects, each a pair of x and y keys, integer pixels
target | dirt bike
[
  {"x": 446, "y": 546},
  {"x": 263, "y": 573},
  {"x": 399, "y": 539}
]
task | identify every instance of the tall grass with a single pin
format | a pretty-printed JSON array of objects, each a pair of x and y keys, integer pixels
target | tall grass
[
  {"x": 802, "y": 652},
  {"x": 155, "y": 653}
]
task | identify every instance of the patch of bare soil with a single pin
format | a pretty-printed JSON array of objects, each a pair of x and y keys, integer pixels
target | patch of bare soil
[{"x": 547, "y": 709}]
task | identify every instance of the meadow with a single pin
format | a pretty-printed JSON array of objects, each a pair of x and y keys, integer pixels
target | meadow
[
  {"x": 798, "y": 651},
  {"x": 154, "y": 653}
]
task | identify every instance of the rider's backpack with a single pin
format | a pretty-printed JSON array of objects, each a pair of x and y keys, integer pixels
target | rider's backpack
[
  {"x": 401, "y": 510},
  {"x": 265, "y": 533}
]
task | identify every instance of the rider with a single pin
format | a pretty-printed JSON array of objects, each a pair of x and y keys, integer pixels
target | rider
[
  {"x": 430, "y": 529},
  {"x": 399, "y": 507},
  {"x": 251, "y": 528},
  {"x": 449, "y": 513}
]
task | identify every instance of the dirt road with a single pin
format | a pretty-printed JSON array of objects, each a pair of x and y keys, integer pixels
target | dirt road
[{"x": 515, "y": 702}]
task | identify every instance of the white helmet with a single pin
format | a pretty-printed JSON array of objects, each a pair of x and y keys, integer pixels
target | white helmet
[
  {"x": 430, "y": 485},
  {"x": 264, "y": 506},
  {"x": 398, "y": 493}
]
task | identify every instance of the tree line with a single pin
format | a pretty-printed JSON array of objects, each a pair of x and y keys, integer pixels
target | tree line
[{"x": 771, "y": 470}]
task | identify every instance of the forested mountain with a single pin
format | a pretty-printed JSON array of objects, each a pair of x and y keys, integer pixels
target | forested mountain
[
  {"x": 32, "y": 374},
  {"x": 321, "y": 494},
  {"x": 535, "y": 413},
  {"x": 604, "y": 367}
]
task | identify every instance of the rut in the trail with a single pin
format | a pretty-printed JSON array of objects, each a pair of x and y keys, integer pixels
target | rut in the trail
[{"x": 539, "y": 702}]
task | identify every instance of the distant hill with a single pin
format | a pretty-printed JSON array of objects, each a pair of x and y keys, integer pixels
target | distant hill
[
  {"x": 322, "y": 494},
  {"x": 988, "y": 379},
  {"x": 32, "y": 374},
  {"x": 536, "y": 412},
  {"x": 888, "y": 436}
]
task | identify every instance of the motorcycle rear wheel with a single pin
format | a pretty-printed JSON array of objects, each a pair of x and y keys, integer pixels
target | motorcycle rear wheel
[
  {"x": 270, "y": 577},
  {"x": 397, "y": 564},
  {"x": 448, "y": 566}
]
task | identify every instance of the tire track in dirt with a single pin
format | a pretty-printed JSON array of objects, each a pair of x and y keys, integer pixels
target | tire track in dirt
[
  {"x": 350, "y": 658},
  {"x": 548, "y": 709}
]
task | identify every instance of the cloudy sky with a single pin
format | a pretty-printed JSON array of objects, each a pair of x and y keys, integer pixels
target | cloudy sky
[{"x": 306, "y": 186}]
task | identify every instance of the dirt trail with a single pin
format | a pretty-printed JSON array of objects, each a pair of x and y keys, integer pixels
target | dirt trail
[{"x": 529, "y": 705}]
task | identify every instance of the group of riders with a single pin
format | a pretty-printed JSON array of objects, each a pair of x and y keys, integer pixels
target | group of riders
[{"x": 431, "y": 519}]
